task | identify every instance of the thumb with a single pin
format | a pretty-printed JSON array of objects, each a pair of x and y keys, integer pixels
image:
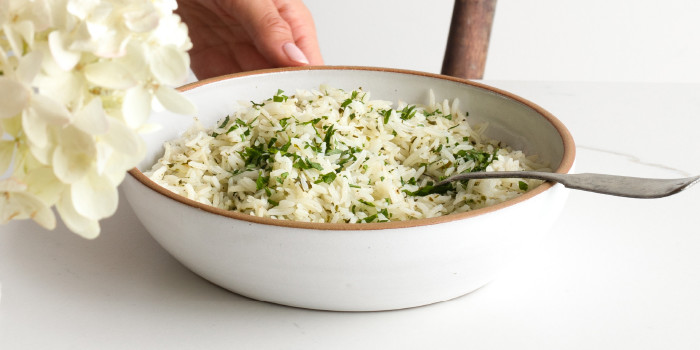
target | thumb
[{"x": 271, "y": 34}]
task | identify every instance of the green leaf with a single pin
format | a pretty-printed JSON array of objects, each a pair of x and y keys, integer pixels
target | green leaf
[
  {"x": 306, "y": 164},
  {"x": 223, "y": 124},
  {"x": 279, "y": 97},
  {"x": 366, "y": 203},
  {"x": 326, "y": 178},
  {"x": 408, "y": 112},
  {"x": 271, "y": 142},
  {"x": 370, "y": 218},
  {"x": 522, "y": 185},
  {"x": 280, "y": 179},
  {"x": 386, "y": 115},
  {"x": 316, "y": 166},
  {"x": 285, "y": 147},
  {"x": 327, "y": 138},
  {"x": 261, "y": 181},
  {"x": 283, "y": 122}
]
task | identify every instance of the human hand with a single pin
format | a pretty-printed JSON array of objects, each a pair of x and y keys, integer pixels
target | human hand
[{"x": 231, "y": 36}]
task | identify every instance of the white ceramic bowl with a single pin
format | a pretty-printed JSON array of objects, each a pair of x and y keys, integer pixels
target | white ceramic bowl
[{"x": 355, "y": 267}]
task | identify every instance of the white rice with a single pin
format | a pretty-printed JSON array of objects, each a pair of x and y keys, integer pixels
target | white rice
[{"x": 330, "y": 155}]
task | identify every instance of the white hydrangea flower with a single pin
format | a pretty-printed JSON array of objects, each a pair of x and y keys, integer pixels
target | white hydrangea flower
[{"x": 78, "y": 80}]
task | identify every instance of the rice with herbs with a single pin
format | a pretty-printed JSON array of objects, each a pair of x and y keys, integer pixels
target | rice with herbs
[{"x": 330, "y": 155}]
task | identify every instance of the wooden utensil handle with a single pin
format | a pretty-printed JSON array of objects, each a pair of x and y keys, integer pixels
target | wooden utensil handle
[{"x": 468, "y": 40}]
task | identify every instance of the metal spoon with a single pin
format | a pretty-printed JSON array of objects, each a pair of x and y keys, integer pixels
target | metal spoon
[{"x": 623, "y": 186}]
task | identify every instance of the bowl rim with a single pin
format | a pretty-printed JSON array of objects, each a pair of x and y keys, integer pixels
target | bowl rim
[{"x": 564, "y": 167}]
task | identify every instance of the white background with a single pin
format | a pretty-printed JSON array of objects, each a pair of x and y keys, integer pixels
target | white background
[
  {"x": 614, "y": 273},
  {"x": 541, "y": 40}
]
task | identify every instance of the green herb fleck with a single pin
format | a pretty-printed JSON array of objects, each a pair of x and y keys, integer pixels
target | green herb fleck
[
  {"x": 224, "y": 123},
  {"x": 326, "y": 178},
  {"x": 408, "y": 112},
  {"x": 386, "y": 115},
  {"x": 522, "y": 185},
  {"x": 366, "y": 203},
  {"x": 261, "y": 182},
  {"x": 279, "y": 96},
  {"x": 306, "y": 164},
  {"x": 327, "y": 138}
]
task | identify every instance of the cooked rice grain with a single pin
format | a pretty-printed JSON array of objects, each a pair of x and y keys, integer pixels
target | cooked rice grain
[{"x": 329, "y": 155}]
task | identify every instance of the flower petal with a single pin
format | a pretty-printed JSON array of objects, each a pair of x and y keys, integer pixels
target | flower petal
[
  {"x": 13, "y": 97},
  {"x": 92, "y": 119},
  {"x": 35, "y": 128},
  {"x": 64, "y": 57},
  {"x": 142, "y": 19},
  {"x": 119, "y": 163},
  {"x": 109, "y": 74},
  {"x": 44, "y": 184},
  {"x": 67, "y": 167},
  {"x": 148, "y": 128},
  {"x": 64, "y": 87},
  {"x": 49, "y": 110},
  {"x": 4, "y": 12},
  {"x": 13, "y": 38},
  {"x": 135, "y": 59},
  {"x": 29, "y": 66},
  {"x": 121, "y": 137},
  {"x": 7, "y": 149},
  {"x": 174, "y": 101},
  {"x": 104, "y": 153},
  {"x": 12, "y": 184},
  {"x": 26, "y": 30},
  {"x": 94, "y": 197},
  {"x": 11, "y": 126},
  {"x": 74, "y": 221},
  {"x": 112, "y": 45},
  {"x": 81, "y": 8},
  {"x": 169, "y": 65},
  {"x": 22, "y": 205},
  {"x": 74, "y": 154},
  {"x": 43, "y": 154},
  {"x": 136, "y": 107}
]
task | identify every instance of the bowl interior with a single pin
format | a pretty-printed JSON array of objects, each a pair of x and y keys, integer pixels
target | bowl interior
[{"x": 513, "y": 120}]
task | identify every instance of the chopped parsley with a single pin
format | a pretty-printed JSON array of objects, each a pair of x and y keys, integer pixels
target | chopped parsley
[
  {"x": 522, "y": 185},
  {"x": 304, "y": 164},
  {"x": 408, "y": 112},
  {"x": 343, "y": 143},
  {"x": 279, "y": 96},
  {"x": 369, "y": 204},
  {"x": 326, "y": 178}
]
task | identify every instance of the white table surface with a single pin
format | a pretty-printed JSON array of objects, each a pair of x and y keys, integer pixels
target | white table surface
[{"x": 614, "y": 273}]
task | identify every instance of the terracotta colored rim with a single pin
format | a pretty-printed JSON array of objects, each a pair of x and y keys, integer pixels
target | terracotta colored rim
[{"x": 564, "y": 167}]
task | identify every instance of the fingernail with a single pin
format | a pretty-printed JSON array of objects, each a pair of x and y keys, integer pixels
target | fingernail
[{"x": 294, "y": 53}]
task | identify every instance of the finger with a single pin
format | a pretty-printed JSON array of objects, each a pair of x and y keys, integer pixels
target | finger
[
  {"x": 299, "y": 18},
  {"x": 271, "y": 34}
]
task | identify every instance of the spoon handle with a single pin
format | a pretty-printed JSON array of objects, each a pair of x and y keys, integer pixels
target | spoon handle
[{"x": 623, "y": 186}]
